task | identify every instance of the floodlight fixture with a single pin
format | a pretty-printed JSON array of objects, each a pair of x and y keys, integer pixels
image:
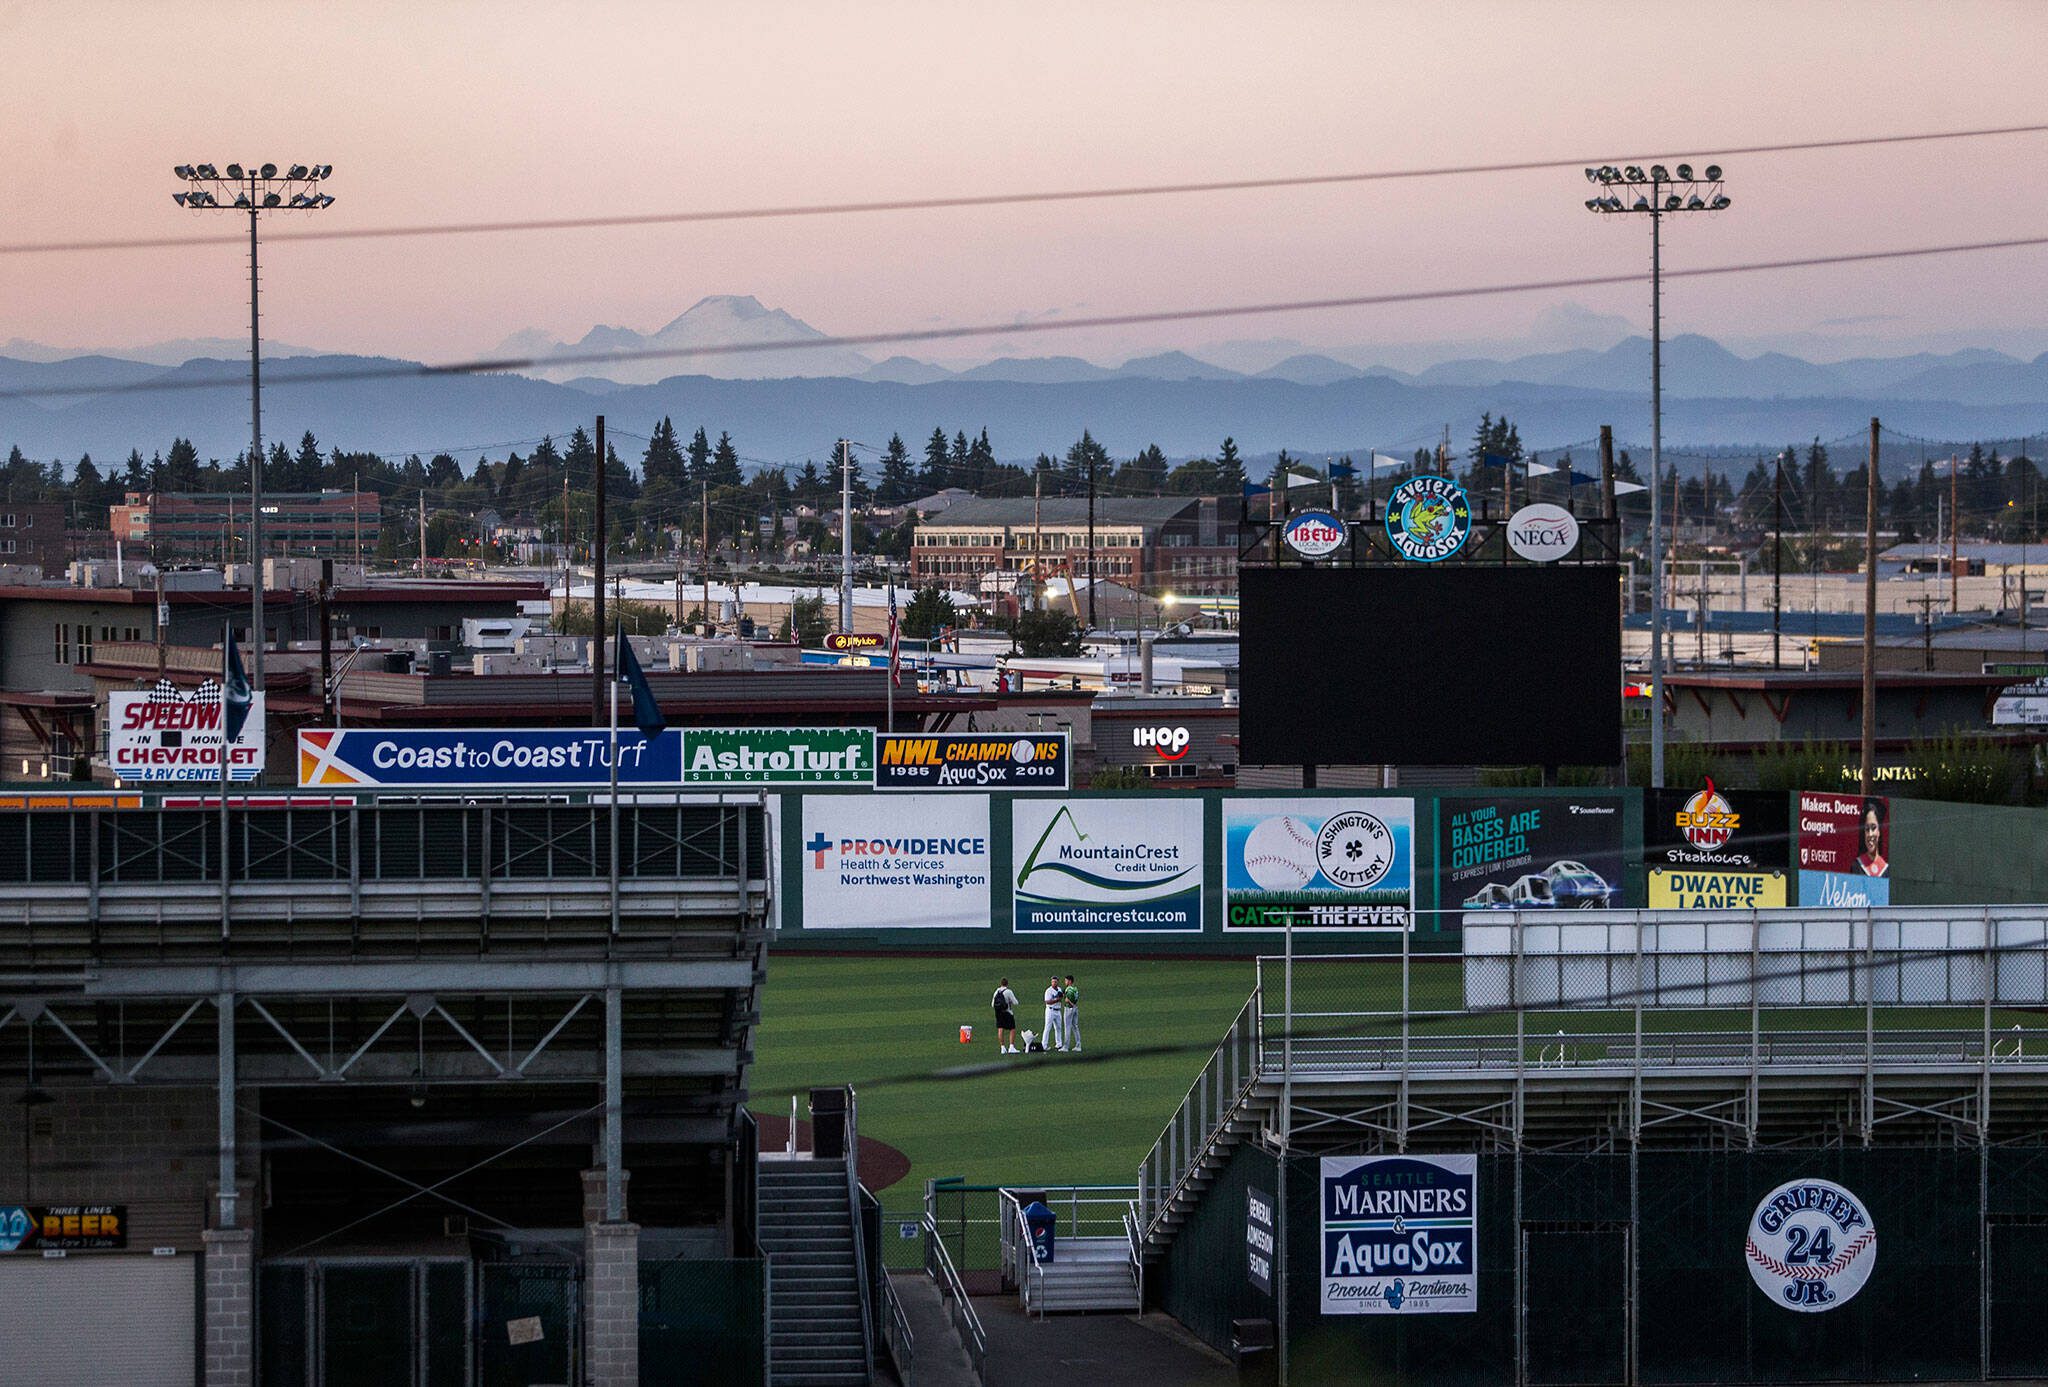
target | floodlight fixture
[
  {"x": 255, "y": 189},
  {"x": 1592, "y": 175},
  {"x": 1667, "y": 196}
]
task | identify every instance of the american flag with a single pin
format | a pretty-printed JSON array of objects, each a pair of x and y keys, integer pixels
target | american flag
[{"x": 895, "y": 665}]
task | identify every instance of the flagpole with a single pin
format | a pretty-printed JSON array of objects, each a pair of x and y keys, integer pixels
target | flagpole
[
  {"x": 227, "y": 648},
  {"x": 612, "y": 690},
  {"x": 889, "y": 688}
]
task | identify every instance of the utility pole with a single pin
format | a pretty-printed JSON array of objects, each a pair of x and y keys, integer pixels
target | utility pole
[
  {"x": 1091, "y": 542},
  {"x": 600, "y": 696},
  {"x": 1777, "y": 562},
  {"x": 1607, "y": 479},
  {"x": 846, "y": 534},
  {"x": 1955, "y": 599},
  {"x": 355, "y": 494},
  {"x": 704, "y": 535},
  {"x": 423, "y": 532},
  {"x": 327, "y": 692},
  {"x": 1869, "y": 762},
  {"x": 1037, "y": 535},
  {"x": 1926, "y": 605}
]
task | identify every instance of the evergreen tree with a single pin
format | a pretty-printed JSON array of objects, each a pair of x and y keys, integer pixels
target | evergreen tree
[
  {"x": 663, "y": 460},
  {"x": 1085, "y": 459},
  {"x": 725, "y": 463},
  {"x": 181, "y": 467},
  {"x": 898, "y": 478},
  {"x": 981, "y": 463},
  {"x": 700, "y": 457},
  {"x": 1145, "y": 474},
  {"x": 1817, "y": 487},
  {"x": 809, "y": 487},
  {"x": 928, "y": 612},
  {"x": 305, "y": 468},
  {"x": 1230, "y": 476},
  {"x": 580, "y": 460},
  {"x": 956, "y": 462},
  {"x": 934, "y": 475}
]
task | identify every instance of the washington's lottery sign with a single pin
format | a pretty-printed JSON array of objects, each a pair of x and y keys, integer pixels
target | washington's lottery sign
[
  {"x": 1400, "y": 1235},
  {"x": 580, "y": 758}
]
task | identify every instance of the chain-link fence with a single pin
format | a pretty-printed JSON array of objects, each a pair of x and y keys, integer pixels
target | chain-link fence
[
  {"x": 703, "y": 1320},
  {"x": 529, "y": 1323}
]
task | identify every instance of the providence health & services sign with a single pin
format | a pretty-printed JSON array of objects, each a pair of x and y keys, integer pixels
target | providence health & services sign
[{"x": 578, "y": 758}]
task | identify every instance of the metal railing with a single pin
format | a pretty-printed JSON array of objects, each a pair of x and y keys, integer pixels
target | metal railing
[
  {"x": 1021, "y": 1268},
  {"x": 938, "y": 1265},
  {"x": 1091, "y": 1211},
  {"x": 853, "y": 1193},
  {"x": 1639, "y": 994},
  {"x": 1210, "y": 1103},
  {"x": 1134, "y": 1238}
]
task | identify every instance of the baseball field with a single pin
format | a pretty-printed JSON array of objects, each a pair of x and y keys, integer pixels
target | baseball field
[{"x": 891, "y": 1027}]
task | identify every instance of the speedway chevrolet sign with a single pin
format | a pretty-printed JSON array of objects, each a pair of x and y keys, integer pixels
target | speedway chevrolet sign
[
  {"x": 580, "y": 758},
  {"x": 170, "y": 734}
]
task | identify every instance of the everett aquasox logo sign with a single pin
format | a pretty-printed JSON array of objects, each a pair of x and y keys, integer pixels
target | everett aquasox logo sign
[
  {"x": 1314, "y": 534},
  {"x": 1542, "y": 533},
  {"x": 1812, "y": 1244},
  {"x": 1428, "y": 518},
  {"x": 1400, "y": 1235}
]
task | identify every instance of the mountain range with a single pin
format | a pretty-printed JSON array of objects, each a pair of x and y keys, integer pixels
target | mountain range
[{"x": 791, "y": 402}]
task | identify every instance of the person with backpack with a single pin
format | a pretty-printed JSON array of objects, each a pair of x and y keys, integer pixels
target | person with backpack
[
  {"x": 1070, "y": 1016},
  {"x": 1005, "y": 1003}
]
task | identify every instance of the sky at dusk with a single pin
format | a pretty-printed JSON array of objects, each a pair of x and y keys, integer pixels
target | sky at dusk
[{"x": 441, "y": 111}]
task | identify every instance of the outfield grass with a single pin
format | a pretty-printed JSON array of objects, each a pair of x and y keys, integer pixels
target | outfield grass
[{"x": 891, "y": 1027}]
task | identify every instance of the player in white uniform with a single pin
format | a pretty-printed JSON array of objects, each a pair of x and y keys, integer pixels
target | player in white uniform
[{"x": 1055, "y": 1038}]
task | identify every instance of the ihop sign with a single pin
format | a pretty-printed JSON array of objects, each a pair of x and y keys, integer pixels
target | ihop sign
[{"x": 1314, "y": 534}]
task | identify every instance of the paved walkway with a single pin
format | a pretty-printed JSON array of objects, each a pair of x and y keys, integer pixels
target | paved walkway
[{"x": 1141, "y": 1350}]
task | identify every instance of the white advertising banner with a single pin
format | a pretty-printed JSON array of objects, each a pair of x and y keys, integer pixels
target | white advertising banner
[
  {"x": 900, "y": 862},
  {"x": 1400, "y": 1235},
  {"x": 171, "y": 734},
  {"x": 1107, "y": 866}
]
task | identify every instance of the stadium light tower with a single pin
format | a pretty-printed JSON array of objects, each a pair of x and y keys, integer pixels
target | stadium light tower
[
  {"x": 254, "y": 189},
  {"x": 1655, "y": 192}
]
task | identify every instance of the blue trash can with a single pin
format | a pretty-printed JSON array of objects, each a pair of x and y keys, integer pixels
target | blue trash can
[{"x": 1040, "y": 1220}]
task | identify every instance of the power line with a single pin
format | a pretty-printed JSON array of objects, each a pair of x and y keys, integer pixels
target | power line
[
  {"x": 489, "y": 365},
  {"x": 926, "y": 204}
]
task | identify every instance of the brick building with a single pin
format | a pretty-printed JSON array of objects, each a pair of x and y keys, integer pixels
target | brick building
[
  {"x": 1186, "y": 544},
  {"x": 215, "y": 525}
]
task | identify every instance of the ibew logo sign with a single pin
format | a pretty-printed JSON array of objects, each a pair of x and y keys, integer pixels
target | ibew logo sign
[
  {"x": 1400, "y": 1235},
  {"x": 1170, "y": 742}
]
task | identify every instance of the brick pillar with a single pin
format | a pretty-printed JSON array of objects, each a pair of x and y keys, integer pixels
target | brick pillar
[
  {"x": 230, "y": 1327},
  {"x": 611, "y": 1301},
  {"x": 611, "y": 1291}
]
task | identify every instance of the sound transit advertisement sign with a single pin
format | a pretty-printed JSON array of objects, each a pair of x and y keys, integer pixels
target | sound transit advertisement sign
[
  {"x": 580, "y": 758},
  {"x": 1529, "y": 852},
  {"x": 1107, "y": 866},
  {"x": 1400, "y": 1235}
]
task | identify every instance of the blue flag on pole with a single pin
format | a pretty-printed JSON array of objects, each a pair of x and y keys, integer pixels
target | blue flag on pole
[
  {"x": 646, "y": 712},
  {"x": 1341, "y": 470},
  {"x": 235, "y": 695},
  {"x": 1494, "y": 459},
  {"x": 1252, "y": 489}
]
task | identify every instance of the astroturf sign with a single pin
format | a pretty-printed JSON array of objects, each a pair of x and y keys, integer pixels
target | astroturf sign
[
  {"x": 580, "y": 758},
  {"x": 1400, "y": 1235}
]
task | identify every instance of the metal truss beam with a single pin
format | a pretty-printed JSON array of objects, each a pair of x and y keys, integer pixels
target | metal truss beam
[
  {"x": 280, "y": 1070},
  {"x": 566, "y": 977}
]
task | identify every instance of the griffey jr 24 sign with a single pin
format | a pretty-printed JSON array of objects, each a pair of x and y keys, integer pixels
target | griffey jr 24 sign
[{"x": 1812, "y": 1244}]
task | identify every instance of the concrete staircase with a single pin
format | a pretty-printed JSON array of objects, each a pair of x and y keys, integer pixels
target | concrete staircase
[
  {"x": 815, "y": 1337},
  {"x": 1084, "y": 1274},
  {"x": 1258, "y": 1106}
]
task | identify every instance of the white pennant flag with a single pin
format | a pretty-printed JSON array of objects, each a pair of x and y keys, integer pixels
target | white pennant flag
[
  {"x": 1624, "y": 488},
  {"x": 1538, "y": 469}
]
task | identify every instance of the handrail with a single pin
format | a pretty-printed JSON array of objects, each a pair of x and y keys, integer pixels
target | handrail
[
  {"x": 1022, "y": 1255},
  {"x": 1134, "y": 1235},
  {"x": 860, "y": 1250},
  {"x": 902, "y": 1343},
  {"x": 938, "y": 1264},
  {"x": 1181, "y": 1149}
]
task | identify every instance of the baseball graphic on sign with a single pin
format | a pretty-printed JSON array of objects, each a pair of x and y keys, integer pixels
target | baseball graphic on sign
[
  {"x": 1812, "y": 1244},
  {"x": 1280, "y": 854},
  {"x": 1022, "y": 751}
]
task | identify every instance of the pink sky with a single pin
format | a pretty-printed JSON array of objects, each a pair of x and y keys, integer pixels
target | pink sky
[{"x": 439, "y": 110}]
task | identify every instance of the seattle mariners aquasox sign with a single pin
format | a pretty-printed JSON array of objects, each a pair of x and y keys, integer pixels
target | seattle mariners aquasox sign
[{"x": 1812, "y": 1244}]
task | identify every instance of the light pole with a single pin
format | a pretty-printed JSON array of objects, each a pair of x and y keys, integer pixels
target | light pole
[
  {"x": 1656, "y": 193},
  {"x": 254, "y": 189}
]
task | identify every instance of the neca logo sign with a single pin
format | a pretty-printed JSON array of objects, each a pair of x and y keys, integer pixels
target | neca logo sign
[{"x": 1170, "y": 742}]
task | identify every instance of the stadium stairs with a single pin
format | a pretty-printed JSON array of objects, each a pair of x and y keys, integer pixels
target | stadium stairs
[
  {"x": 815, "y": 1332},
  {"x": 1085, "y": 1274}
]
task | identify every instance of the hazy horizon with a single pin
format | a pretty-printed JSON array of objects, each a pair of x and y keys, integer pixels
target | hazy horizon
[{"x": 468, "y": 111}]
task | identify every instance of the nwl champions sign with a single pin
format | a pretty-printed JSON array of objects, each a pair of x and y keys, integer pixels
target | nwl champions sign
[{"x": 1400, "y": 1235}]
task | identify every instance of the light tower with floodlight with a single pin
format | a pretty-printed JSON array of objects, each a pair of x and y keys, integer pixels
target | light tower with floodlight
[
  {"x": 254, "y": 189},
  {"x": 1655, "y": 192}
]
